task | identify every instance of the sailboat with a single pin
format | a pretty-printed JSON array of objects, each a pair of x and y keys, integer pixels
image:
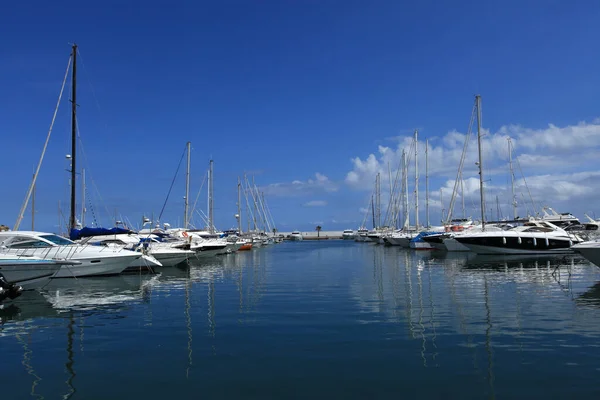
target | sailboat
[
  {"x": 91, "y": 260},
  {"x": 533, "y": 237}
]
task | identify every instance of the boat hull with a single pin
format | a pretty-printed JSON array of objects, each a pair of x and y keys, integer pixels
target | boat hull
[
  {"x": 29, "y": 274},
  {"x": 516, "y": 244},
  {"x": 96, "y": 267},
  {"x": 172, "y": 259},
  {"x": 452, "y": 244}
]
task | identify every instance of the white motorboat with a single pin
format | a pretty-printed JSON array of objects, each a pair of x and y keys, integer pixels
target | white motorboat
[
  {"x": 157, "y": 253},
  {"x": 348, "y": 234},
  {"x": 533, "y": 237},
  {"x": 29, "y": 272},
  {"x": 590, "y": 250},
  {"x": 296, "y": 236},
  {"x": 361, "y": 235},
  {"x": 94, "y": 260}
]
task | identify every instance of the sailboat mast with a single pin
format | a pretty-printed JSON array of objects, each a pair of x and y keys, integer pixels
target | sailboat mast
[
  {"x": 73, "y": 138},
  {"x": 239, "y": 206},
  {"x": 186, "y": 213},
  {"x": 416, "y": 180},
  {"x": 427, "y": 182},
  {"x": 481, "y": 190},
  {"x": 378, "y": 200},
  {"x": 373, "y": 211},
  {"x": 211, "y": 222},
  {"x": 442, "y": 205},
  {"x": 33, "y": 206},
  {"x": 82, "y": 198},
  {"x": 462, "y": 195},
  {"x": 512, "y": 179},
  {"x": 405, "y": 173}
]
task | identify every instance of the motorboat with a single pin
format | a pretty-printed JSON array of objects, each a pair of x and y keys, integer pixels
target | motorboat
[
  {"x": 400, "y": 238},
  {"x": 29, "y": 272},
  {"x": 296, "y": 236},
  {"x": 348, "y": 234},
  {"x": 590, "y": 250},
  {"x": 156, "y": 253},
  {"x": 361, "y": 235},
  {"x": 533, "y": 237},
  {"x": 93, "y": 260},
  {"x": 419, "y": 242}
]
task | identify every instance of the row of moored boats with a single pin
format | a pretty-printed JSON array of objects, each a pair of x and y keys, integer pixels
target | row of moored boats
[{"x": 29, "y": 259}]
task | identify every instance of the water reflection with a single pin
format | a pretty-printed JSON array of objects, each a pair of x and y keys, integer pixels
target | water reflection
[{"x": 320, "y": 311}]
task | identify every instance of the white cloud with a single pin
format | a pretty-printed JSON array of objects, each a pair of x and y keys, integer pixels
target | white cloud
[
  {"x": 315, "y": 203},
  {"x": 559, "y": 164},
  {"x": 319, "y": 184}
]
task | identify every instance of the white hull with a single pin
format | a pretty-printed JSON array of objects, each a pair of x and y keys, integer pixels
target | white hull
[
  {"x": 29, "y": 274},
  {"x": 360, "y": 238},
  {"x": 96, "y": 267},
  {"x": 145, "y": 261},
  {"x": 296, "y": 238},
  {"x": 172, "y": 259},
  {"x": 348, "y": 236},
  {"x": 208, "y": 253},
  {"x": 421, "y": 246},
  {"x": 590, "y": 250}
]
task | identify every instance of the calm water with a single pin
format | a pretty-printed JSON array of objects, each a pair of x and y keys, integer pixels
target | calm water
[{"x": 313, "y": 320}]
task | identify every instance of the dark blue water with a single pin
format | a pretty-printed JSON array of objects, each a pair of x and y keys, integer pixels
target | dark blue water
[{"x": 313, "y": 320}]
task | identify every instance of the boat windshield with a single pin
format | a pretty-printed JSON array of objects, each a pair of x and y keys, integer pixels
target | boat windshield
[{"x": 61, "y": 241}]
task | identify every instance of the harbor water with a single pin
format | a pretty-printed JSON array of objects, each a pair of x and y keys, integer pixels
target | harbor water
[{"x": 313, "y": 319}]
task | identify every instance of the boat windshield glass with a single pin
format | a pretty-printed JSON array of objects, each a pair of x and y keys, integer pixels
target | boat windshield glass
[{"x": 61, "y": 241}]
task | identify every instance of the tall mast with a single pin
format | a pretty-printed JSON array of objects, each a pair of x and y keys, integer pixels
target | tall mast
[
  {"x": 512, "y": 179},
  {"x": 186, "y": 213},
  {"x": 416, "y": 181},
  {"x": 211, "y": 222},
  {"x": 427, "y": 182},
  {"x": 442, "y": 205},
  {"x": 255, "y": 205},
  {"x": 33, "y": 206},
  {"x": 73, "y": 138},
  {"x": 378, "y": 200},
  {"x": 373, "y": 211},
  {"x": 239, "y": 206},
  {"x": 481, "y": 190},
  {"x": 406, "y": 210},
  {"x": 82, "y": 198},
  {"x": 462, "y": 195}
]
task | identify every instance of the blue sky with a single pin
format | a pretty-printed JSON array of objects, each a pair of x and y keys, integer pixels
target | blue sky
[{"x": 296, "y": 91}]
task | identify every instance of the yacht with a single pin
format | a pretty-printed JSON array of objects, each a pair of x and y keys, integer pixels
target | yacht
[
  {"x": 348, "y": 234},
  {"x": 562, "y": 220},
  {"x": 400, "y": 238},
  {"x": 533, "y": 237},
  {"x": 29, "y": 272},
  {"x": 590, "y": 250},
  {"x": 157, "y": 253},
  {"x": 419, "y": 242},
  {"x": 361, "y": 235},
  {"x": 296, "y": 236},
  {"x": 93, "y": 260}
]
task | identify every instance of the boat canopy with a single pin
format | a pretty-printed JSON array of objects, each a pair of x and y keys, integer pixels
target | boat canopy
[{"x": 87, "y": 232}]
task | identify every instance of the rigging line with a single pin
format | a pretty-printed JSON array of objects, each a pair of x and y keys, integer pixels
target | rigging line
[
  {"x": 461, "y": 164},
  {"x": 90, "y": 174},
  {"x": 535, "y": 207},
  {"x": 198, "y": 195},
  {"x": 172, "y": 183},
  {"x": 92, "y": 89},
  {"x": 37, "y": 170}
]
